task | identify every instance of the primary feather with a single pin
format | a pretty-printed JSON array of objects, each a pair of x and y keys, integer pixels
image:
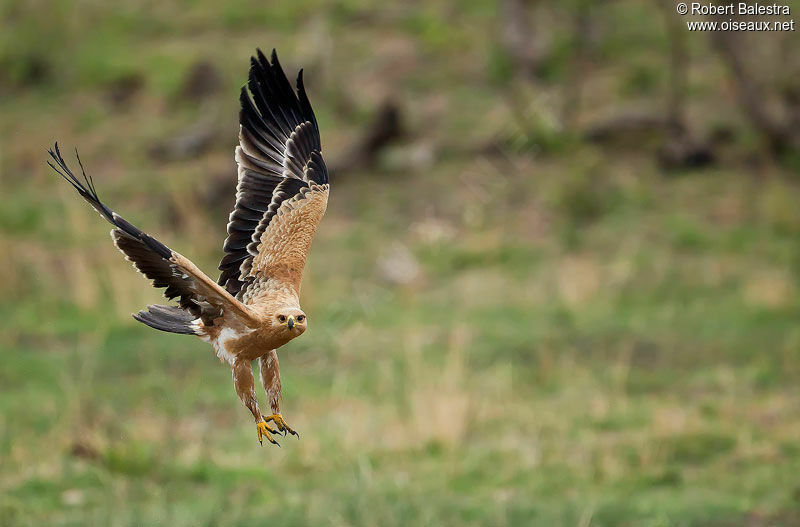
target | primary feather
[{"x": 279, "y": 154}]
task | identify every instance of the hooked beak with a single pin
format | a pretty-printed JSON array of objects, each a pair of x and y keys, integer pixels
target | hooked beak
[{"x": 290, "y": 322}]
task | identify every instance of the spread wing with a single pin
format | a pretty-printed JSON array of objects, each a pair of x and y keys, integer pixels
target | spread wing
[
  {"x": 197, "y": 294},
  {"x": 283, "y": 184}
]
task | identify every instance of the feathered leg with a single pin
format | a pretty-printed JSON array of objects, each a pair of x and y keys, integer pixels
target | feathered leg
[
  {"x": 271, "y": 379},
  {"x": 245, "y": 388}
]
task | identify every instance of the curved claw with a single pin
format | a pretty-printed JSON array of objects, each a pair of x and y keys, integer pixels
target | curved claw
[
  {"x": 281, "y": 424},
  {"x": 265, "y": 431}
]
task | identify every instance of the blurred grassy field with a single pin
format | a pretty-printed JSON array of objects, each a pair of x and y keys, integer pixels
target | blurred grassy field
[{"x": 587, "y": 341}]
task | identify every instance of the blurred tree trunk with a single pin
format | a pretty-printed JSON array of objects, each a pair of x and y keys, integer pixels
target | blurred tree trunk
[
  {"x": 517, "y": 36},
  {"x": 581, "y": 21},
  {"x": 776, "y": 132},
  {"x": 681, "y": 148},
  {"x": 678, "y": 67}
]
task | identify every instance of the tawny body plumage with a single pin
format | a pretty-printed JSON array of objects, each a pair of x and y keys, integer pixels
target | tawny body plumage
[{"x": 281, "y": 196}]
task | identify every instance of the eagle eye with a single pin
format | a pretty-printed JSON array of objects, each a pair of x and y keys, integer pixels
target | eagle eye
[
  {"x": 281, "y": 318},
  {"x": 301, "y": 318}
]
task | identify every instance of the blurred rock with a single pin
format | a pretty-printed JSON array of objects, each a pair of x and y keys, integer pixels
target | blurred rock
[
  {"x": 33, "y": 69},
  {"x": 219, "y": 192},
  {"x": 685, "y": 152},
  {"x": 625, "y": 125},
  {"x": 201, "y": 81},
  {"x": 385, "y": 128},
  {"x": 677, "y": 147},
  {"x": 73, "y": 497},
  {"x": 415, "y": 157},
  {"x": 399, "y": 266},
  {"x": 193, "y": 140},
  {"x": 83, "y": 450},
  {"x": 120, "y": 91},
  {"x": 432, "y": 231}
]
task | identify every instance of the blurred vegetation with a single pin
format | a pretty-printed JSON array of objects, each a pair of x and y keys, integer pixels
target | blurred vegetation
[{"x": 565, "y": 294}]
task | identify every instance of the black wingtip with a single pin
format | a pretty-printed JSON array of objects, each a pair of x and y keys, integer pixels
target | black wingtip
[
  {"x": 88, "y": 190},
  {"x": 261, "y": 58},
  {"x": 89, "y": 193},
  {"x": 87, "y": 178}
]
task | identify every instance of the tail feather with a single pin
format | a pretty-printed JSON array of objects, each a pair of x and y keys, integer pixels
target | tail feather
[{"x": 171, "y": 319}]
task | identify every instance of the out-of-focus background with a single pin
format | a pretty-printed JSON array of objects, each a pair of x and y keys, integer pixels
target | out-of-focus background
[{"x": 557, "y": 283}]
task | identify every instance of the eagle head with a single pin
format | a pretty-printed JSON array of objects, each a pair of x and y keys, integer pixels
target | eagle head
[{"x": 291, "y": 320}]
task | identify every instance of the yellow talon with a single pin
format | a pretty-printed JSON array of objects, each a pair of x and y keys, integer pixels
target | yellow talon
[
  {"x": 281, "y": 424},
  {"x": 265, "y": 431}
]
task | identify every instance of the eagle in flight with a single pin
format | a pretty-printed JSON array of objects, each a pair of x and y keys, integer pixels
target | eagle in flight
[{"x": 254, "y": 307}]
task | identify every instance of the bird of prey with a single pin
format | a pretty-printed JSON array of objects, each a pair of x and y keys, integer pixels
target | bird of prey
[{"x": 282, "y": 193}]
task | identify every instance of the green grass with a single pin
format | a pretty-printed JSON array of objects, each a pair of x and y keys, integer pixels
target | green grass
[{"x": 588, "y": 341}]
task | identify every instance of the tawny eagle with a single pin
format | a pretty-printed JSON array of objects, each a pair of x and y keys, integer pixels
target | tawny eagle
[{"x": 253, "y": 308}]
